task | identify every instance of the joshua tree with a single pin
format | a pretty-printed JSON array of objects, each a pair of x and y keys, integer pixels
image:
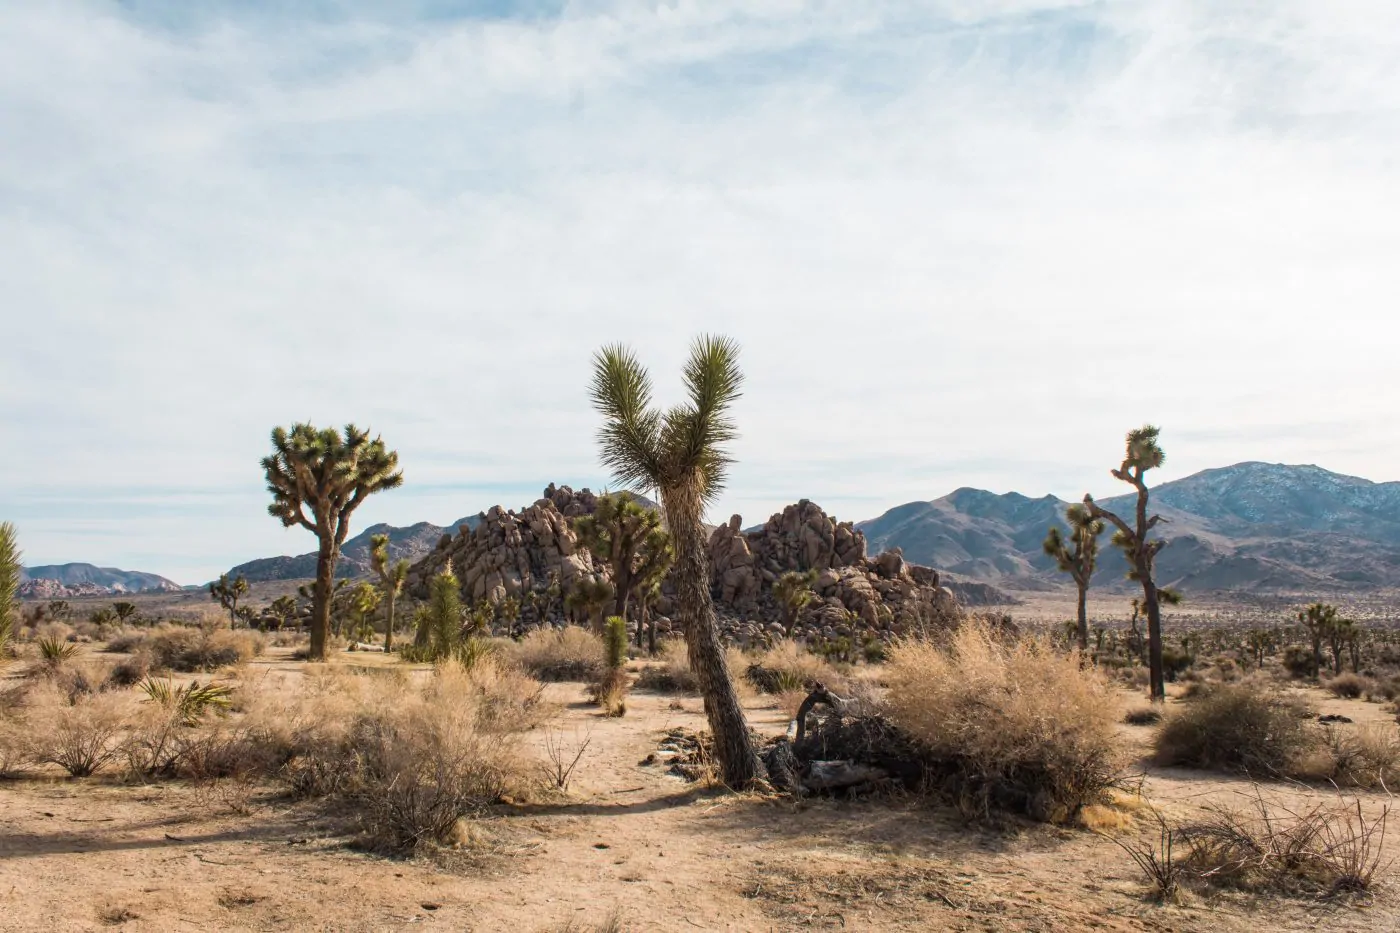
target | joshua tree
[
  {"x": 1077, "y": 560},
  {"x": 793, "y": 591},
  {"x": 441, "y": 618},
  {"x": 284, "y": 610},
  {"x": 648, "y": 595},
  {"x": 391, "y": 577},
  {"x": 590, "y": 599},
  {"x": 1142, "y": 454},
  {"x": 629, "y": 539},
  {"x": 9, "y": 581},
  {"x": 125, "y": 610},
  {"x": 329, "y": 475},
  {"x": 681, "y": 452},
  {"x": 1318, "y": 619},
  {"x": 508, "y": 611},
  {"x": 227, "y": 593},
  {"x": 59, "y": 609},
  {"x": 364, "y": 600}
]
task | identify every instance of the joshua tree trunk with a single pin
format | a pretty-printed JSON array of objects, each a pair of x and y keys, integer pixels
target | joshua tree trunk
[
  {"x": 389, "y": 620},
  {"x": 737, "y": 759},
  {"x": 321, "y": 598},
  {"x": 1156, "y": 681},
  {"x": 623, "y": 586},
  {"x": 1083, "y": 617}
]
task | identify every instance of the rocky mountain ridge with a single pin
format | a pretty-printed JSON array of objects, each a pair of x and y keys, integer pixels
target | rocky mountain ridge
[
  {"x": 67, "y": 581},
  {"x": 1249, "y": 527}
]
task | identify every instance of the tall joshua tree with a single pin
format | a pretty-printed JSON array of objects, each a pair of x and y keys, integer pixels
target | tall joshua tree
[
  {"x": 9, "y": 581},
  {"x": 681, "y": 451},
  {"x": 1077, "y": 557},
  {"x": 329, "y": 475},
  {"x": 629, "y": 539},
  {"x": 1142, "y": 454},
  {"x": 590, "y": 599},
  {"x": 227, "y": 593},
  {"x": 391, "y": 577}
]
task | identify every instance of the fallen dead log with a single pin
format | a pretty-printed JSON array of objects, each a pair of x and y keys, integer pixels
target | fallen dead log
[{"x": 841, "y": 775}]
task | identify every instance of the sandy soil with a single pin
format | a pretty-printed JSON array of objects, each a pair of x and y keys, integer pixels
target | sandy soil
[{"x": 629, "y": 842}]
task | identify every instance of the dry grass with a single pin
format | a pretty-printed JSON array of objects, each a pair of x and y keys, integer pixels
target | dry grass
[
  {"x": 789, "y": 667},
  {"x": 671, "y": 672},
  {"x": 1240, "y": 728},
  {"x": 79, "y": 732},
  {"x": 1354, "y": 756},
  {"x": 1014, "y": 724},
  {"x": 569, "y": 653},
  {"x": 1350, "y": 686}
]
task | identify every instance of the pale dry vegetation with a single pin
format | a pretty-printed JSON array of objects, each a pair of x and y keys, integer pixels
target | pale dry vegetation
[
  {"x": 569, "y": 653},
  {"x": 1007, "y": 724}
]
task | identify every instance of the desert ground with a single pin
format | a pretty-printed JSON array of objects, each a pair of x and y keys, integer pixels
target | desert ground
[{"x": 628, "y": 846}]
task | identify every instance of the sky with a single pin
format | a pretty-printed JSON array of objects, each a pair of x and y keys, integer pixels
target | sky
[{"x": 961, "y": 244}]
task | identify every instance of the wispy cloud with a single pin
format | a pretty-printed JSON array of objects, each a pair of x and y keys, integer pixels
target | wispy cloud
[{"x": 962, "y": 243}]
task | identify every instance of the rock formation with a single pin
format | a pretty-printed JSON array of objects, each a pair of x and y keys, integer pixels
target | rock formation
[{"x": 510, "y": 554}]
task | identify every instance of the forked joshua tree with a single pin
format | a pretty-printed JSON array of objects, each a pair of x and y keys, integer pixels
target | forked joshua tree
[
  {"x": 681, "y": 451},
  {"x": 1142, "y": 454},
  {"x": 1077, "y": 558},
  {"x": 391, "y": 577},
  {"x": 227, "y": 593},
  {"x": 329, "y": 475},
  {"x": 590, "y": 598},
  {"x": 629, "y": 539}
]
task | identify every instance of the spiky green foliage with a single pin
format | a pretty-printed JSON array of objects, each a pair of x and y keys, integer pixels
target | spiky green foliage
[
  {"x": 615, "y": 642},
  {"x": 628, "y": 538},
  {"x": 590, "y": 598},
  {"x": 682, "y": 452},
  {"x": 318, "y": 478},
  {"x": 391, "y": 578},
  {"x": 189, "y": 703},
  {"x": 53, "y": 650},
  {"x": 9, "y": 581},
  {"x": 284, "y": 610},
  {"x": 364, "y": 600},
  {"x": 124, "y": 611},
  {"x": 227, "y": 593},
  {"x": 793, "y": 591},
  {"x": 1077, "y": 557},
  {"x": 444, "y": 612},
  {"x": 59, "y": 609},
  {"x": 1142, "y": 452}
]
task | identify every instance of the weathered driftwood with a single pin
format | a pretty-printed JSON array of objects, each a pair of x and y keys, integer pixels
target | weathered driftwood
[{"x": 789, "y": 771}]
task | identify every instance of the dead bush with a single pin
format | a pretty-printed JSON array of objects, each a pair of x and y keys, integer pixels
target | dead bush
[
  {"x": 1237, "y": 728},
  {"x": 1143, "y": 716},
  {"x": 412, "y": 760},
  {"x": 131, "y": 670},
  {"x": 1350, "y": 686},
  {"x": 568, "y": 653},
  {"x": 78, "y": 732},
  {"x": 1355, "y": 756},
  {"x": 788, "y": 667},
  {"x": 671, "y": 672},
  {"x": 1011, "y": 724},
  {"x": 191, "y": 650}
]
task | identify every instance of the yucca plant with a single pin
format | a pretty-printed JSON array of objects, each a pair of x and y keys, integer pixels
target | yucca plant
[
  {"x": 793, "y": 591},
  {"x": 681, "y": 451},
  {"x": 53, "y": 650},
  {"x": 9, "y": 582},
  {"x": 1077, "y": 557},
  {"x": 329, "y": 475},
  {"x": 1142, "y": 454},
  {"x": 611, "y": 689},
  {"x": 391, "y": 579},
  {"x": 189, "y": 703}
]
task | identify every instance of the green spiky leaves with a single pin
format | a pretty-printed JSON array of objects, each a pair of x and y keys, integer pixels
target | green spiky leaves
[
  {"x": 326, "y": 472},
  {"x": 684, "y": 446}
]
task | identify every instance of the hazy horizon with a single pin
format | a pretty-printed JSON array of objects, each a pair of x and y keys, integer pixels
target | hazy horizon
[{"x": 960, "y": 243}]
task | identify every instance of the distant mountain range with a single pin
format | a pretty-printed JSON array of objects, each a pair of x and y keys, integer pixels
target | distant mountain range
[
  {"x": 1252, "y": 526},
  {"x": 411, "y": 542},
  {"x": 62, "y": 581}
]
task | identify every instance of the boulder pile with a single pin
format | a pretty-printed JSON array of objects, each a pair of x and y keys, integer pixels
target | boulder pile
[{"x": 521, "y": 554}]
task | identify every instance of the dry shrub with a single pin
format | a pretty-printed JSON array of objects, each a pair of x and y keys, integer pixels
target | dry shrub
[
  {"x": 1361, "y": 756},
  {"x": 1143, "y": 716},
  {"x": 1350, "y": 686},
  {"x": 1325, "y": 849},
  {"x": 609, "y": 692},
  {"x": 133, "y": 669},
  {"x": 1237, "y": 728},
  {"x": 789, "y": 666},
  {"x": 671, "y": 672},
  {"x": 78, "y": 732},
  {"x": 568, "y": 653},
  {"x": 190, "y": 650},
  {"x": 413, "y": 760},
  {"x": 127, "y": 641},
  {"x": 1011, "y": 724},
  {"x": 15, "y": 747}
]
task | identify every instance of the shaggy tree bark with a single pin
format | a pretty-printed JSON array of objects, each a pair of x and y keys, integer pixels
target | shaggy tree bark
[{"x": 737, "y": 758}]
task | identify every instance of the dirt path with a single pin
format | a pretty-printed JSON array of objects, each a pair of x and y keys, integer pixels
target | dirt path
[{"x": 630, "y": 841}]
